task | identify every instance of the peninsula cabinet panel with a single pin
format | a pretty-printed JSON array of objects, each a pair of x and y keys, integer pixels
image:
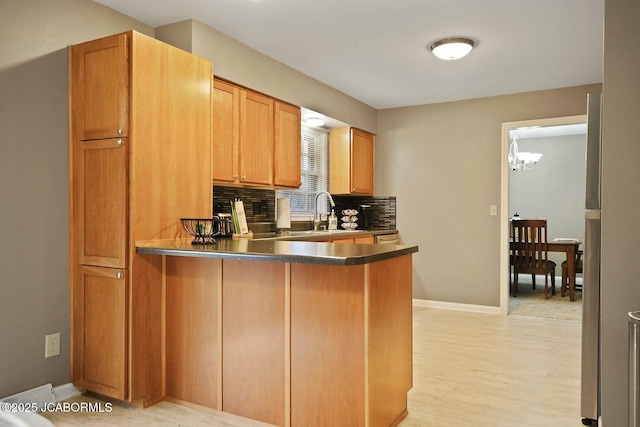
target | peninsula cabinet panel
[
  {"x": 99, "y": 331},
  {"x": 351, "y": 348},
  {"x": 226, "y": 129},
  {"x": 287, "y": 146},
  {"x": 101, "y": 72},
  {"x": 390, "y": 368},
  {"x": 146, "y": 334},
  {"x": 193, "y": 331},
  {"x": 100, "y": 188},
  {"x": 256, "y": 138},
  {"x": 254, "y": 340},
  {"x": 327, "y": 346}
]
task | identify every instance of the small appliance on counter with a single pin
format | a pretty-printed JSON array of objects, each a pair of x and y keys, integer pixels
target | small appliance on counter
[{"x": 364, "y": 216}]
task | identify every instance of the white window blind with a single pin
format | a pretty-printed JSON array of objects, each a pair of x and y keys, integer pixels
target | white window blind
[{"x": 314, "y": 174}]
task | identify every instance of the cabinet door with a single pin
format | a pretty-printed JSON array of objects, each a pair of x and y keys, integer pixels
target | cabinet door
[
  {"x": 361, "y": 162},
  {"x": 256, "y": 138},
  {"x": 343, "y": 241},
  {"x": 100, "y": 202},
  {"x": 369, "y": 240},
  {"x": 226, "y": 99},
  {"x": 100, "y": 88},
  {"x": 99, "y": 331},
  {"x": 287, "y": 146}
]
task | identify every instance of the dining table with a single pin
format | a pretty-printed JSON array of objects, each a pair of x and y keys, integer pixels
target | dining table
[{"x": 570, "y": 247}]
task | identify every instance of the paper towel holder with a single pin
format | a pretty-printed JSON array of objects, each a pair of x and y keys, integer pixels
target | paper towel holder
[{"x": 283, "y": 213}]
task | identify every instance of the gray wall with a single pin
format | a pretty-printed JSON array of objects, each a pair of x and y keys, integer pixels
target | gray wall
[
  {"x": 34, "y": 209},
  {"x": 620, "y": 200},
  {"x": 239, "y": 63},
  {"x": 442, "y": 161},
  {"x": 554, "y": 189}
]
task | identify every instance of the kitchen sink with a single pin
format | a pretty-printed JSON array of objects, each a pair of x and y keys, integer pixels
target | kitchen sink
[
  {"x": 289, "y": 235},
  {"x": 318, "y": 232}
]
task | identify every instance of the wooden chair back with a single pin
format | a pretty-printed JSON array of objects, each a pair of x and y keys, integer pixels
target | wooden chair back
[{"x": 529, "y": 248}]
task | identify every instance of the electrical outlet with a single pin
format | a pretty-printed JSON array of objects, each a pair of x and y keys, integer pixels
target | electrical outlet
[
  {"x": 52, "y": 345},
  {"x": 493, "y": 210}
]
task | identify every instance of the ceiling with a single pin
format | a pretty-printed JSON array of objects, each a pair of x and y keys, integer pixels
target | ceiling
[
  {"x": 377, "y": 50},
  {"x": 549, "y": 131}
]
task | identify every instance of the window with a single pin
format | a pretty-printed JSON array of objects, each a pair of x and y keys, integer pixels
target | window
[{"x": 314, "y": 174}]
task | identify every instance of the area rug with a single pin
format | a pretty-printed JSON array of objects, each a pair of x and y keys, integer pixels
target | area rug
[{"x": 531, "y": 303}]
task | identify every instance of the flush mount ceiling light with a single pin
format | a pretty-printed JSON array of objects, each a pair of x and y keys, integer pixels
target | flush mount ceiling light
[
  {"x": 452, "y": 48},
  {"x": 314, "y": 121}
]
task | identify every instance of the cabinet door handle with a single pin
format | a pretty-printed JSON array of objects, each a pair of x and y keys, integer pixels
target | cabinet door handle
[
  {"x": 120, "y": 142},
  {"x": 235, "y": 177},
  {"x": 120, "y": 131},
  {"x": 119, "y": 275},
  {"x": 244, "y": 177}
]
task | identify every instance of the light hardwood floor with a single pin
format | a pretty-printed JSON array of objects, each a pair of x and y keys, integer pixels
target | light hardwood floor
[{"x": 470, "y": 369}]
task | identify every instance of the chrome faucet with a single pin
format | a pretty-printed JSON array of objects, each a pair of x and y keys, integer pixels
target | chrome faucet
[{"x": 316, "y": 217}]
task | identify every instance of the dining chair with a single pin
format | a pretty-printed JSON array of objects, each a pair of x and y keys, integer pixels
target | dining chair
[
  {"x": 564, "y": 288},
  {"x": 530, "y": 253}
]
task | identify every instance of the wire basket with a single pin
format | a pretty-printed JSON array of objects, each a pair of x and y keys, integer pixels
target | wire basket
[{"x": 202, "y": 229}]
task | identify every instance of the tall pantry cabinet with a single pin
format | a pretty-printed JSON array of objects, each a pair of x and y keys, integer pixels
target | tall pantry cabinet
[{"x": 140, "y": 159}]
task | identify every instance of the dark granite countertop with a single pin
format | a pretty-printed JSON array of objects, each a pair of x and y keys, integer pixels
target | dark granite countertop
[{"x": 274, "y": 250}]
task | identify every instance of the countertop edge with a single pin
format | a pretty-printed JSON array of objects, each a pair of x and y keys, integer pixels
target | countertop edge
[{"x": 365, "y": 254}]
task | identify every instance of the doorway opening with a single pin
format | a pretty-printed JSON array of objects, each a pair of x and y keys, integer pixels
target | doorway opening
[{"x": 533, "y": 129}]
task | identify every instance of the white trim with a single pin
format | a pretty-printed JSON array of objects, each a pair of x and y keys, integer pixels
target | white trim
[
  {"x": 66, "y": 391},
  {"x": 504, "y": 195},
  {"x": 456, "y": 306}
]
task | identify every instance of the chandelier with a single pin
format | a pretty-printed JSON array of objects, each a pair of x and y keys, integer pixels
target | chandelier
[{"x": 521, "y": 160}]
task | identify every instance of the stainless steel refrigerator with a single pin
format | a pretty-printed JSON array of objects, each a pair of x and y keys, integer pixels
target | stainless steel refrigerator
[{"x": 590, "y": 393}]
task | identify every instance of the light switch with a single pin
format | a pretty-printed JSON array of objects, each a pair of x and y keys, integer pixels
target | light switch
[{"x": 493, "y": 210}]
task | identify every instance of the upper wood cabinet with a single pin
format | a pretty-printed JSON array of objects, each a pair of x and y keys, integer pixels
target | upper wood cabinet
[
  {"x": 140, "y": 150},
  {"x": 105, "y": 77},
  {"x": 351, "y": 156},
  {"x": 256, "y": 138},
  {"x": 287, "y": 146},
  {"x": 226, "y": 131}
]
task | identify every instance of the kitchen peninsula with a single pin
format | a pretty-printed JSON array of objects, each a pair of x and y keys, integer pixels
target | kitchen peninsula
[{"x": 291, "y": 333}]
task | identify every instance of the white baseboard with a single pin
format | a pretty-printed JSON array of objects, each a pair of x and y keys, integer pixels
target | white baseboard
[
  {"x": 456, "y": 306},
  {"x": 66, "y": 391}
]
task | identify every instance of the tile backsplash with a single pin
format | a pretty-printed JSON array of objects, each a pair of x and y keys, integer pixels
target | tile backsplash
[
  {"x": 259, "y": 205},
  {"x": 382, "y": 213}
]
